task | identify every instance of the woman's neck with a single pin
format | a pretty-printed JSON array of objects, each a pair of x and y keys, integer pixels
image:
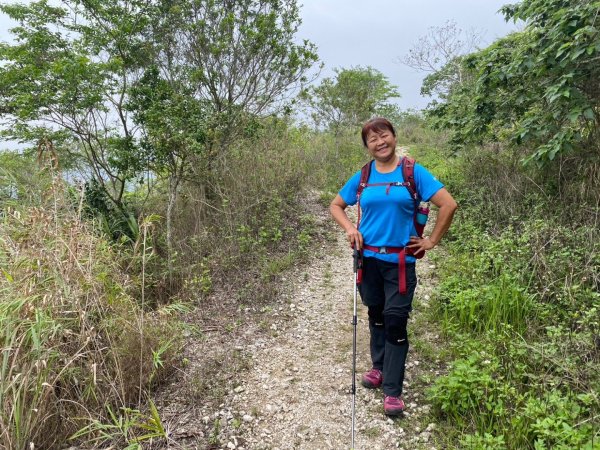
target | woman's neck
[{"x": 387, "y": 166}]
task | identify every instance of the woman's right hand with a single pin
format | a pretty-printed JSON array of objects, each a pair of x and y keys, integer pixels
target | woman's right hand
[{"x": 354, "y": 237}]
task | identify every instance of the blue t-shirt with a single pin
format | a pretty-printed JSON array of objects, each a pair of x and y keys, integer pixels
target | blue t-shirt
[{"x": 387, "y": 218}]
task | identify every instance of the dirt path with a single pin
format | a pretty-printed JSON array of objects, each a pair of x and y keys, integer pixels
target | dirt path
[
  {"x": 293, "y": 389},
  {"x": 297, "y": 395}
]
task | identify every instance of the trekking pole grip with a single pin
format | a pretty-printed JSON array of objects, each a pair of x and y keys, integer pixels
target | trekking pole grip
[{"x": 358, "y": 266}]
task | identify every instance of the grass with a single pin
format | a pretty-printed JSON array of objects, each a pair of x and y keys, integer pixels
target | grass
[{"x": 71, "y": 332}]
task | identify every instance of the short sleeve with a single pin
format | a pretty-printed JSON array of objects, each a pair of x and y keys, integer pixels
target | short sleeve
[
  {"x": 427, "y": 184},
  {"x": 348, "y": 192}
]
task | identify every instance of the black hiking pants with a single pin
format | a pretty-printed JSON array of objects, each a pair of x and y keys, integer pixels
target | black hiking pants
[{"x": 388, "y": 316}]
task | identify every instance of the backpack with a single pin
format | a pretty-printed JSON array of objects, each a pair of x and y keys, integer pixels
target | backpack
[
  {"x": 408, "y": 173},
  {"x": 419, "y": 217}
]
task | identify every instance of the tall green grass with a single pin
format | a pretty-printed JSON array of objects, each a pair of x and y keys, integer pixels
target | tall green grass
[{"x": 487, "y": 308}]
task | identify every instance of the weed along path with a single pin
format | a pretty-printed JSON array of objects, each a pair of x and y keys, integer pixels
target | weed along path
[{"x": 294, "y": 391}]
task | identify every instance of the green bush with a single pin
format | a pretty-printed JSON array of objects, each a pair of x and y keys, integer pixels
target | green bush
[
  {"x": 560, "y": 421},
  {"x": 474, "y": 392},
  {"x": 520, "y": 279}
]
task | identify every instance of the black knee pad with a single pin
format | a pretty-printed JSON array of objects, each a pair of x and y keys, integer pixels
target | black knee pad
[
  {"x": 395, "y": 330},
  {"x": 376, "y": 316}
]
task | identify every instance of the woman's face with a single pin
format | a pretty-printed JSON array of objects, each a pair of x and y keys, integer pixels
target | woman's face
[{"x": 381, "y": 144}]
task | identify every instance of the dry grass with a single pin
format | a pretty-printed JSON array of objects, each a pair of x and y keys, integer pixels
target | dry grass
[{"x": 74, "y": 340}]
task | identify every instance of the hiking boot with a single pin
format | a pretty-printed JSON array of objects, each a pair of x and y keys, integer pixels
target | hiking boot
[
  {"x": 372, "y": 379},
  {"x": 393, "y": 406}
]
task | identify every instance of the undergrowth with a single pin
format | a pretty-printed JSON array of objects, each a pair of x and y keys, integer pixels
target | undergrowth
[
  {"x": 519, "y": 302},
  {"x": 77, "y": 348},
  {"x": 91, "y": 319}
]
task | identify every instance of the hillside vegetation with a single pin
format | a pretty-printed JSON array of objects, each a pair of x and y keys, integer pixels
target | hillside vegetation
[
  {"x": 519, "y": 297},
  {"x": 151, "y": 180}
]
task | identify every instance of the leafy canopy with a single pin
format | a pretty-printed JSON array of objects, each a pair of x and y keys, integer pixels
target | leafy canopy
[
  {"x": 537, "y": 88},
  {"x": 133, "y": 87},
  {"x": 350, "y": 98}
]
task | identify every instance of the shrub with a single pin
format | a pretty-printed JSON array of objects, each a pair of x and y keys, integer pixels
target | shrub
[
  {"x": 74, "y": 339},
  {"x": 560, "y": 421},
  {"x": 473, "y": 392}
]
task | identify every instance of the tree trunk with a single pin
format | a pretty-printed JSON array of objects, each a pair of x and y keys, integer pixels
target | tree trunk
[{"x": 174, "y": 180}]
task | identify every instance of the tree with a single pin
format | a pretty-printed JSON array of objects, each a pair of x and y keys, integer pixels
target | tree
[
  {"x": 66, "y": 80},
  {"x": 243, "y": 57},
  {"x": 73, "y": 66},
  {"x": 439, "y": 53},
  {"x": 219, "y": 63},
  {"x": 70, "y": 75},
  {"x": 537, "y": 88},
  {"x": 173, "y": 127},
  {"x": 351, "y": 98}
]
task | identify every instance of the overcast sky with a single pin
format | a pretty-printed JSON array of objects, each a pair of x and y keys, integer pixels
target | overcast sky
[
  {"x": 350, "y": 33},
  {"x": 375, "y": 33}
]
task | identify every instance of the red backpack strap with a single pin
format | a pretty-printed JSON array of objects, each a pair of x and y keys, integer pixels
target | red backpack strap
[
  {"x": 365, "y": 172},
  {"x": 408, "y": 172}
]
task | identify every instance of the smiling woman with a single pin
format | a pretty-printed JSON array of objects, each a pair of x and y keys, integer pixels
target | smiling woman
[{"x": 389, "y": 243}]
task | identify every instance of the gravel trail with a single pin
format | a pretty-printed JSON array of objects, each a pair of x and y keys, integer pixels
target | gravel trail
[
  {"x": 298, "y": 393},
  {"x": 292, "y": 389}
]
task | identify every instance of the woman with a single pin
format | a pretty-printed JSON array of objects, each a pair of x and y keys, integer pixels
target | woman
[{"x": 387, "y": 222}]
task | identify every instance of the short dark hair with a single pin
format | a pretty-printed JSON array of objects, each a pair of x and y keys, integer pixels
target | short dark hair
[{"x": 378, "y": 124}]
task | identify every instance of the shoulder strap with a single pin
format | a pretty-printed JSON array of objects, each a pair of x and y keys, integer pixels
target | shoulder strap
[
  {"x": 365, "y": 172},
  {"x": 408, "y": 172}
]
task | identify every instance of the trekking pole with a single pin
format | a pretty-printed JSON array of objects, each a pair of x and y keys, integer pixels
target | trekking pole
[{"x": 357, "y": 279}]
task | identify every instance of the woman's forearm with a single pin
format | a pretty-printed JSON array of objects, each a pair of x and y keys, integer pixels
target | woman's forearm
[
  {"x": 338, "y": 211},
  {"x": 340, "y": 216}
]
